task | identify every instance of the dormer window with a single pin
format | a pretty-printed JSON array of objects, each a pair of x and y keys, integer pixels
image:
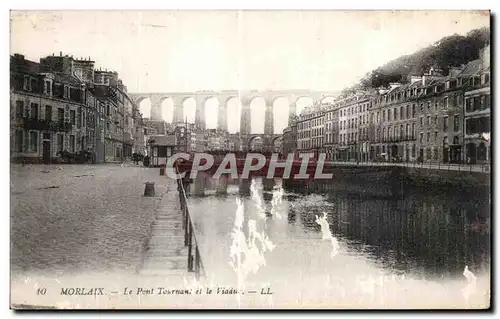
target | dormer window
[
  {"x": 486, "y": 78},
  {"x": 27, "y": 83},
  {"x": 47, "y": 87},
  {"x": 66, "y": 92}
]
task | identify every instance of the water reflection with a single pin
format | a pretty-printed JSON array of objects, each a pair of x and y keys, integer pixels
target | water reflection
[{"x": 426, "y": 234}]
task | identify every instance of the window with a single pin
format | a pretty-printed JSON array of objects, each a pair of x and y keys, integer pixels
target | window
[
  {"x": 445, "y": 102},
  {"x": 60, "y": 115},
  {"x": 72, "y": 143},
  {"x": 407, "y": 111},
  {"x": 421, "y": 107},
  {"x": 19, "y": 109},
  {"x": 428, "y": 153},
  {"x": 428, "y": 137},
  {"x": 26, "y": 84},
  {"x": 34, "y": 141},
  {"x": 60, "y": 143},
  {"x": 456, "y": 123},
  {"x": 395, "y": 114},
  {"x": 401, "y": 113},
  {"x": 445, "y": 123},
  {"x": 436, "y": 156},
  {"x": 428, "y": 106},
  {"x": 421, "y": 121},
  {"x": 408, "y": 133},
  {"x": 486, "y": 101},
  {"x": 413, "y": 150},
  {"x": 456, "y": 140},
  {"x": 34, "y": 111},
  {"x": 421, "y": 137},
  {"x": 18, "y": 142},
  {"x": 72, "y": 116},
  {"x": 468, "y": 105},
  {"x": 436, "y": 105},
  {"x": 413, "y": 131},
  {"x": 47, "y": 87},
  {"x": 401, "y": 131},
  {"x": 48, "y": 113},
  {"x": 436, "y": 120},
  {"x": 428, "y": 120},
  {"x": 435, "y": 136},
  {"x": 79, "y": 118}
]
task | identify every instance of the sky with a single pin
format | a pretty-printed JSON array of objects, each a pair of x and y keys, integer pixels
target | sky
[{"x": 186, "y": 51}]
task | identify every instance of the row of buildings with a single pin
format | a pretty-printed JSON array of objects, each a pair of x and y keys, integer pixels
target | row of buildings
[
  {"x": 431, "y": 118},
  {"x": 63, "y": 104},
  {"x": 164, "y": 139}
]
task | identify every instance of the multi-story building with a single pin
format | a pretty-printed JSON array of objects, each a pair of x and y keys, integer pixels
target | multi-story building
[
  {"x": 48, "y": 112},
  {"x": 216, "y": 140},
  {"x": 61, "y": 89},
  {"x": 331, "y": 132},
  {"x": 349, "y": 110},
  {"x": 421, "y": 120},
  {"x": 310, "y": 131},
  {"x": 477, "y": 109},
  {"x": 235, "y": 143},
  {"x": 290, "y": 138}
]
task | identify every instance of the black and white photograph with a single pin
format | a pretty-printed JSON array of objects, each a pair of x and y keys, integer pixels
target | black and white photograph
[{"x": 250, "y": 159}]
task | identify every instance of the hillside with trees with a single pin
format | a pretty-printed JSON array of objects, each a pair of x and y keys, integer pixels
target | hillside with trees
[{"x": 454, "y": 50}]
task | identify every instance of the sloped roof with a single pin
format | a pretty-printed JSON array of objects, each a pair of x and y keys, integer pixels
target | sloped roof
[
  {"x": 21, "y": 65},
  {"x": 163, "y": 140},
  {"x": 472, "y": 68},
  {"x": 66, "y": 78}
]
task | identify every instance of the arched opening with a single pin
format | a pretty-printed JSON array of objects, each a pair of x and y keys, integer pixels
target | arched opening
[
  {"x": 233, "y": 114},
  {"x": 145, "y": 107},
  {"x": 256, "y": 144},
  {"x": 189, "y": 106},
  {"x": 302, "y": 103},
  {"x": 211, "y": 113},
  {"x": 277, "y": 144},
  {"x": 280, "y": 114},
  {"x": 258, "y": 114},
  {"x": 167, "y": 110}
]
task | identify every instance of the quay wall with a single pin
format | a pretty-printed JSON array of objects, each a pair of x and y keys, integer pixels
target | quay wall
[{"x": 393, "y": 181}]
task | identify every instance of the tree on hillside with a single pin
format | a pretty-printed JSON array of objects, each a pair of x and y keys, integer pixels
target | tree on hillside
[{"x": 453, "y": 50}]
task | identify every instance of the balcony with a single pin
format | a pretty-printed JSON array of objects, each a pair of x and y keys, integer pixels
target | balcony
[
  {"x": 45, "y": 125},
  {"x": 399, "y": 139}
]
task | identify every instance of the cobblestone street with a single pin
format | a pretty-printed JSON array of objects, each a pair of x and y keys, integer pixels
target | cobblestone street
[{"x": 74, "y": 218}]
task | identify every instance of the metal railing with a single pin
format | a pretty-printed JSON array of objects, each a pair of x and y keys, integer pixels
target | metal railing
[
  {"x": 194, "y": 263},
  {"x": 483, "y": 168}
]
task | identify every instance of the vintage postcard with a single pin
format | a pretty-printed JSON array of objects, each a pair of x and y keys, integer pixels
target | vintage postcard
[{"x": 250, "y": 159}]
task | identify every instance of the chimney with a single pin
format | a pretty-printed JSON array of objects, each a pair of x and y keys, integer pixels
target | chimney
[{"x": 60, "y": 53}]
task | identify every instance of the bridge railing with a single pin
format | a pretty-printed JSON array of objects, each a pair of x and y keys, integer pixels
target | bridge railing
[
  {"x": 194, "y": 262},
  {"x": 483, "y": 168}
]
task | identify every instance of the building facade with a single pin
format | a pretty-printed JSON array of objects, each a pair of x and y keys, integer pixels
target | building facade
[
  {"x": 57, "y": 106},
  {"x": 48, "y": 113},
  {"x": 477, "y": 111}
]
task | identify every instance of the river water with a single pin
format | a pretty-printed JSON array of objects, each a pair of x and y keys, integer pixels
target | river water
[{"x": 395, "y": 251}]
